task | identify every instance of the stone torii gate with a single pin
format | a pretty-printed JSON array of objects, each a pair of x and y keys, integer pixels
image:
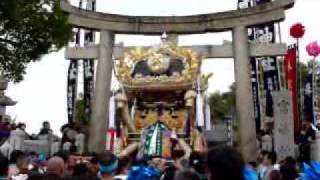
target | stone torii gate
[{"x": 240, "y": 49}]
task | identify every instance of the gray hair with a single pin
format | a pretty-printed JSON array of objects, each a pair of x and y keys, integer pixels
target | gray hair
[{"x": 187, "y": 174}]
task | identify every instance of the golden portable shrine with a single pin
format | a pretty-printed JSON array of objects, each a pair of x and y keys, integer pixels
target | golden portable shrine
[{"x": 160, "y": 101}]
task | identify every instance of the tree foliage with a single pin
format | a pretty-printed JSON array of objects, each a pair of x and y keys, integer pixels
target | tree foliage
[
  {"x": 80, "y": 112},
  {"x": 303, "y": 68},
  {"x": 222, "y": 103},
  {"x": 28, "y": 30}
]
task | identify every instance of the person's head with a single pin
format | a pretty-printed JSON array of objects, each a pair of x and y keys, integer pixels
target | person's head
[
  {"x": 4, "y": 165},
  {"x": 108, "y": 163},
  {"x": 198, "y": 161},
  {"x": 225, "y": 162},
  {"x": 12, "y": 126},
  {"x": 270, "y": 159},
  {"x": 169, "y": 173},
  {"x": 124, "y": 165},
  {"x": 93, "y": 166},
  {"x": 23, "y": 162},
  {"x": 80, "y": 169},
  {"x": 261, "y": 157},
  {"x": 46, "y": 125},
  {"x": 289, "y": 160},
  {"x": 275, "y": 175},
  {"x": 69, "y": 162},
  {"x": 21, "y": 126},
  {"x": 14, "y": 156},
  {"x": 288, "y": 169},
  {"x": 187, "y": 174},
  {"x": 55, "y": 166},
  {"x": 306, "y": 124}
]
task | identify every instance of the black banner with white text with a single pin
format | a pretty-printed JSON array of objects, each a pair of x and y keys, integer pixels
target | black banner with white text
[{"x": 88, "y": 65}]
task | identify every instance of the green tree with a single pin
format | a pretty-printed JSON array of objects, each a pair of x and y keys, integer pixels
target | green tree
[
  {"x": 222, "y": 103},
  {"x": 28, "y": 30},
  {"x": 304, "y": 71},
  {"x": 80, "y": 111}
]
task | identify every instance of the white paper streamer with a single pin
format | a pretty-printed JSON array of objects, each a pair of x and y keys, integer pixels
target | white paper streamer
[
  {"x": 133, "y": 110},
  {"x": 208, "y": 117},
  {"x": 199, "y": 106},
  {"x": 200, "y": 114}
]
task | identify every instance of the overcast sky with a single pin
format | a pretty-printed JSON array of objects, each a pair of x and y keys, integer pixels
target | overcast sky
[{"x": 42, "y": 94}]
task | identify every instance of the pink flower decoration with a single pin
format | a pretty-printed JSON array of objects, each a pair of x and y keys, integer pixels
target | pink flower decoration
[{"x": 313, "y": 49}]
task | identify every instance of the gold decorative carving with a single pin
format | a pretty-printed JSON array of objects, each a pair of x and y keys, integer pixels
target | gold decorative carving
[
  {"x": 150, "y": 118},
  {"x": 158, "y": 58}
]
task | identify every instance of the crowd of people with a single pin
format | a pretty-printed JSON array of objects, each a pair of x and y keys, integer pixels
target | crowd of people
[
  {"x": 13, "y": 136},
  {"x": 219, "y": 163}
]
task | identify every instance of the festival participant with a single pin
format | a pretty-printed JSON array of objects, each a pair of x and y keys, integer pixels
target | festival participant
[
  {"x": 17, "y": 137},
  {"x": 45, "y": 130},
  {"x": 55, "y": 169},
  {"x": 108, "y": 164},
  {"x": 198, "y": 163},
  {"x": 187, "y": 174},
  {"x": 13, "y": 169},
  {"x": 22, "y": 127},
  {"x": 4, "y": 129},
  {"x": 69, "y": 162},
  {"x": 225, "y": 162},
  {"x": 274, "y": 175},
  {"x": 23, "y": 163},
  {"x": 124, "y": 166},
  {"x": 93, "y": 166},
  {"x": 80, "y": 170},
  {"x": 307, "y": 136},
  {"x": 268, "y": 165},
  {"x": 288, "y": 169},
  {"x": 4, "y": 167}
]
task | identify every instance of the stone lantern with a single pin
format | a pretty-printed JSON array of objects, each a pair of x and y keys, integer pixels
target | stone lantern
[{"x": 4, "y": 100}]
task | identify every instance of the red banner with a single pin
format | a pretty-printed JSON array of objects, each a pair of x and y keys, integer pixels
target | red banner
[{"x": 291, "y": 74}]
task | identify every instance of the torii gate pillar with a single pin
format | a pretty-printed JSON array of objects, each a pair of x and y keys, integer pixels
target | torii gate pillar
[
  {"x": 98, "y": 124},
  {"x": 244, "y": 103}
]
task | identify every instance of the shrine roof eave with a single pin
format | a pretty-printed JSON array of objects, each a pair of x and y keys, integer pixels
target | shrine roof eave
[
  {"x": 154, "y": 25},
  {"x": 155, "y": 87}
]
